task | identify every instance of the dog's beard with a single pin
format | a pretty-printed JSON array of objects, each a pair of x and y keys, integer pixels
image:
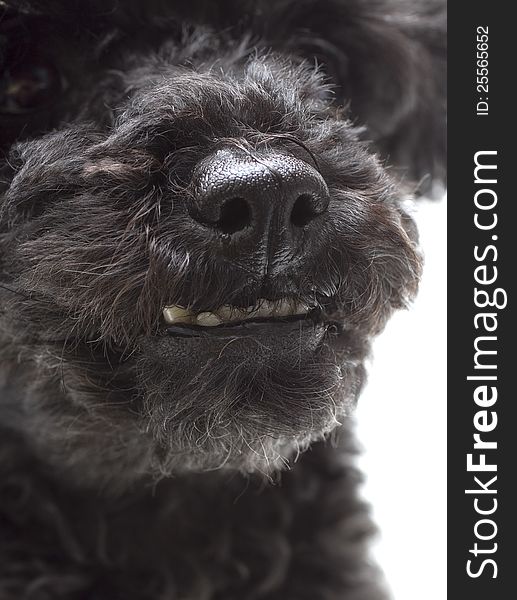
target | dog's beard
[
  {"x": 250, "y": 406},
  {"x": 145, "y": 419}
]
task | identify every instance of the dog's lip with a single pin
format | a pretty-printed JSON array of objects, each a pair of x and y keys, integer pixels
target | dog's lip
[
  {"x": 247, "y": 328},
  {"x": 266, "y": 342}
]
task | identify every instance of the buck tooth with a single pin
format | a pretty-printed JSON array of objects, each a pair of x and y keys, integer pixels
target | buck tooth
[
  {"x": 208, "y": 319},
  {"x": 176, "y": 314}
]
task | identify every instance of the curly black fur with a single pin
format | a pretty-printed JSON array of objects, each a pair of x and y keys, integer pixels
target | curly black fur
[{"x": 133, "y": 467}]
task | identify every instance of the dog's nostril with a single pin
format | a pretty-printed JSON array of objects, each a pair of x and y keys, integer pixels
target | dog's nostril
[
  {"x": 304, "y": 210},
  {"x": 235, "y": 216},
  {"x": 262, "y": 202}
]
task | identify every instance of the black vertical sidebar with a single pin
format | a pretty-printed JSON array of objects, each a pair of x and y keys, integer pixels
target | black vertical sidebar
[{"x": 482, "y": 344}]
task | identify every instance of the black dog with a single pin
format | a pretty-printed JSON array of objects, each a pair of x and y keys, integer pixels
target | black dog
[{"x": 199, "y": 237}]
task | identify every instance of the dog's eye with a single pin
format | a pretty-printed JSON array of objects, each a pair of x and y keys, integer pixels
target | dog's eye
[
  {"x": 28, "y": 79},
  {"x": 28, "y": 88}
]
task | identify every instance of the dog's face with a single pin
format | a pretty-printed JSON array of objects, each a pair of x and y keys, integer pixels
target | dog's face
[{"x": 195, "y": 247}]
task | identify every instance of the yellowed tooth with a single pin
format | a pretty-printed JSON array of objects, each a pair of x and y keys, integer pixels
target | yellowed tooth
[
  {"x": 300, "y": 308},
  {"x": 232, "y": 313},
  {"x": 263, "y": 310},
  {"x": 226, "y": 313},
  {"x": 176, "y": 314},
  {"x": 208, "y": 319},
  {"x": 283, "y": 308}
]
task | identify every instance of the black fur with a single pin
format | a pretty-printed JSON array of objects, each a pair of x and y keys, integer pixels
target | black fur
[{"x": 133, "y": 467}]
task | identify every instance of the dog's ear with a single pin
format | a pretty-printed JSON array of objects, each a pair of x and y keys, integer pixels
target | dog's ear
[{"x": 388, "y": 58}]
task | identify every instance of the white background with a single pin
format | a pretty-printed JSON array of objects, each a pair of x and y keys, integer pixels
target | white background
[{"x": 401, "y": 421}]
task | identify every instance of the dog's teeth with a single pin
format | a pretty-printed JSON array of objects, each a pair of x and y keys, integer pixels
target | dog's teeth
[
  {"x": 225, "y": 312},
  {"x": 301, "y": 309},
  {"x": 176, "y": 314},
  {"x": 229, "y": 313},
  {"x": 263, "y": 310},
  {"x": 208, "y": 319},
  {"x": 283, "y": 308}
]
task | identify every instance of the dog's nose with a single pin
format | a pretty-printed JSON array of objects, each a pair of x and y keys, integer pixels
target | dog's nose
[{"x": 267, "y": 199}]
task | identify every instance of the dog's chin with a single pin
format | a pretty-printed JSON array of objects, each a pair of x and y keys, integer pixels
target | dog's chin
[
  {"x": 249, "y": 397},
  {"x": 241, "y": 397},
  {"x": 230, "y": 449}
]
